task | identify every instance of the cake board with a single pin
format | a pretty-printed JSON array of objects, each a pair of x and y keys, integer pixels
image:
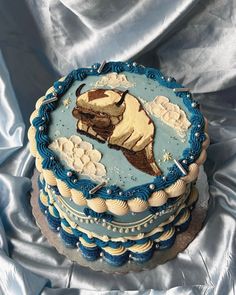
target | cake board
[{"x": 159, "y": 257}]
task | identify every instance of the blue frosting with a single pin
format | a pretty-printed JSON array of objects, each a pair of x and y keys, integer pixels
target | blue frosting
[
  {"x": 76, "y": 233},
  {"x": 123, "y": 219},
  {"x": 51, "y": 162},
  {"x": 53, "y": 222},
  {"x": 90, "y": 254},
  {"x": 116, "y": 260},
  {"x": 93, "y": 253},
  {"x": 143, "y": 257}
]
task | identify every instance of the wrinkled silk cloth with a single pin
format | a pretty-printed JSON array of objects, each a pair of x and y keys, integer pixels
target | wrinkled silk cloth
[{"x": 42, "y": 40}]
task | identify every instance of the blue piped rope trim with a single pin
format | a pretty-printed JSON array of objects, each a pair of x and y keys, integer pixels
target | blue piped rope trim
[{"x": 51, "y": 162}]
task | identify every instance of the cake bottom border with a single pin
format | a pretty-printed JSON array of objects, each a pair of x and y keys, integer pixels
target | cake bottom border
[{"x": 182, "y": 239}]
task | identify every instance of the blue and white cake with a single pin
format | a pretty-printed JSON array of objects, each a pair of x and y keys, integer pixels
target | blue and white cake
[{"x": 118, "y": 147}]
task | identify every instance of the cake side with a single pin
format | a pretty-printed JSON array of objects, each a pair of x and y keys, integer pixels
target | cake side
[{"x": 116, "y": 251}]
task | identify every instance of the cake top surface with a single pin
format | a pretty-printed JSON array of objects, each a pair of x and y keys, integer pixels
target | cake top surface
[{"x": 127, "y": 127}]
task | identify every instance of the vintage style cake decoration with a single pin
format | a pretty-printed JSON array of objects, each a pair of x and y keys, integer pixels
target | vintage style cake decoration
[{"x": 137, "y": 112}]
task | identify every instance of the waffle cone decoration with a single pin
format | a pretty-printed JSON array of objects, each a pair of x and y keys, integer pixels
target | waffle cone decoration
[{"x": 119, "y": 119}]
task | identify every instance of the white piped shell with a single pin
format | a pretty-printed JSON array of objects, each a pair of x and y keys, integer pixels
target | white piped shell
[
  {"x": 49, "y": 177},
  {"x": 137, "y": 205},
  {"x": 176, "y": 189},
  {"x": 115, "y": 251},
  {"x": 202, "y": 158},
  {"x": 63, "y": 188},
  {"x": 33, "y": 115},
  {"x": 141, "y": 247},
  {"x": 31, "y": 133},
  {"x": 86, "y": 244},
  {"x": 167, "y": 235},
  {"x": 184, "y": 217},
  {"x": 158, "y": 198},
  {"x": 44, "y": 199},
  {"x": 192, "y": 174},
  {"x": 50, "y": 90},
  {"x": 33, "y": 148},
  {"x": 78, "y": 197},
  {"x": 117, "y": 207},
  {"x": 97, "y": 204},
  {"x": 38, "y": 164}
]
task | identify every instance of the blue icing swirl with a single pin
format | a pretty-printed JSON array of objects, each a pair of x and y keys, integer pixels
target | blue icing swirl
[
  {"x": 80, "y": 75},
  {"x": 85, "y": 186}
]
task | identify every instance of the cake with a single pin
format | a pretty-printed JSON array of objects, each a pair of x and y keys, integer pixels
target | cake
[{"x": 118, "y": 148}]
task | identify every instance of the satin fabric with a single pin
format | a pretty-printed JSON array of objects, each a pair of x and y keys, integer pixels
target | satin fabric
[{"x": 41, "y": 41}]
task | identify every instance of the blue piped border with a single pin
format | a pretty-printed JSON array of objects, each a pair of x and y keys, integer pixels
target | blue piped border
[{"x": 51, "y": 162}]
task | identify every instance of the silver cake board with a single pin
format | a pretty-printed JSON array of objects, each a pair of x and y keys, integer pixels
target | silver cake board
[{"x": 159, "y": 256}]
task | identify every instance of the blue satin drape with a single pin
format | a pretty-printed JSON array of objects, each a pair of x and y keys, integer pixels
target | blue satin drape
[{"x": 42, "y": 40}]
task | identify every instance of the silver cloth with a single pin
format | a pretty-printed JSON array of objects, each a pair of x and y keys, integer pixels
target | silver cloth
[{"x": 40, "y": 41}]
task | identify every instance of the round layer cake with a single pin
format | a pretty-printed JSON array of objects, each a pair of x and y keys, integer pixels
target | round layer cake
[{"x": 118, "y": 147}]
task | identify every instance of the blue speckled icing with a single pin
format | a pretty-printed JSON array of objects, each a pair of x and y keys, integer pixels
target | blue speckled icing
[{"x": 138, "y": 185}]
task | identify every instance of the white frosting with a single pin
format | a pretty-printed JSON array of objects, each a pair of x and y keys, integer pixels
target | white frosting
[
  {"x": 80, "y": 156},
  {"x": 169, "y": 113},
  {"x": 114, "y": 80}
]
